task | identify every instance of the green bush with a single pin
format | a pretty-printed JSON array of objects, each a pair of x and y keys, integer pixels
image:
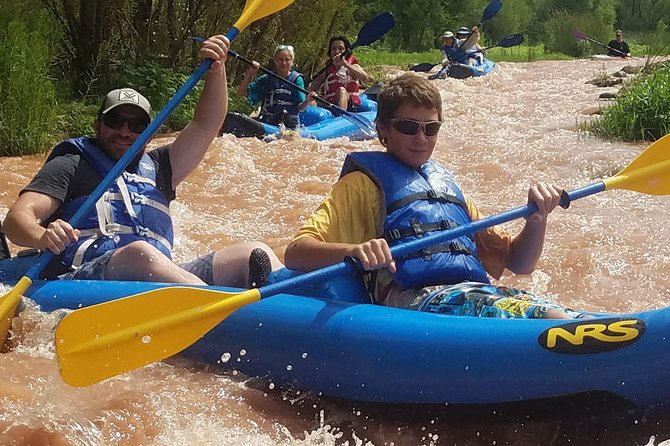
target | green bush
[
  {"x": 640, "y": 112},
  {"x": 558, "y": 33},
  {"x": 158, "y": 85},
  {"x": 77, "y": 119},
  {"x": 28, "y": 107}
]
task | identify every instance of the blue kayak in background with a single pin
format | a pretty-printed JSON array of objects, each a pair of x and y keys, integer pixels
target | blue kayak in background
[
  {"x": 464, "y": 71},
  {"x": 315, "y": 123}
]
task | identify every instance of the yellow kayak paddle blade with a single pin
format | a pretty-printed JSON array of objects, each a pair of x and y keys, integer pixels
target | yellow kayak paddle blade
[
  {"x": 104, "y": 340},
  {"x": 257, "y": 9},
  {"x": 8, "y": 304},
  {"x": 649, "y": 173}
]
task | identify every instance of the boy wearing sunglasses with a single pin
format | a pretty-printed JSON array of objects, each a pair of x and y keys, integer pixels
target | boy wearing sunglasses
[
  {"x": 129, "y": 233},
  {"x": 387, "y": 198}
]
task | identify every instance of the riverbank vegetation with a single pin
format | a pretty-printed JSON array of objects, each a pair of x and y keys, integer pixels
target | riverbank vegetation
[{"x": 59, "y": 57}]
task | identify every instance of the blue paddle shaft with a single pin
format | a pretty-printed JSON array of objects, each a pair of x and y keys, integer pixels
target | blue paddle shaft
[
  {"x": 132, "y": 152},
  {"x": 322, "y": 274}
]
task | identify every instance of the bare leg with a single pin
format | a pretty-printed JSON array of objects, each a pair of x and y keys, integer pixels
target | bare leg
[
  {"x": 143, "y": 262},
  {"x": 342, "y": 98},
  {"x": 231, "y": 265}
]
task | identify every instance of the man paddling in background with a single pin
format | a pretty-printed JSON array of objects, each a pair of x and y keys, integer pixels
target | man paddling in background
[
  {"x": 618, "y": 47},
  {"x": 129, "y": 234}
]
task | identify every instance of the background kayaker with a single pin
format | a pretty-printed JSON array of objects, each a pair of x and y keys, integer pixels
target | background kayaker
[
  {"x": 473, "y": 54},
  {"x": 617, "y": 47},
  {"x": 129, "y": 234},
  {"x": 421, "y": 196},
  {"x": 281, "y": 102},
  {"x": 340, "y": 82}
]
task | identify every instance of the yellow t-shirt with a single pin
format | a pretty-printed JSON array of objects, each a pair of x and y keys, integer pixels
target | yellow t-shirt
[{"x": 351, "y": 213}]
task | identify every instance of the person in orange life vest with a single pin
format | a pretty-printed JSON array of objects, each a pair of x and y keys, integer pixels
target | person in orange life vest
[
  {"x": 281, "y": 102},
  {"x": 129, "y": 233},
  {"x": 340, "y": 82},
  {"x": 389, "y": 197}
]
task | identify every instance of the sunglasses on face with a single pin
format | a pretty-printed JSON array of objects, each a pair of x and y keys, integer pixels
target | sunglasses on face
[
  {"x": 114, "y": 121},
  {"x": 411, "y": 127}
]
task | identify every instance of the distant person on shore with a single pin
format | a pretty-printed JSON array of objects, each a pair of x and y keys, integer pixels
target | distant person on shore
[
  {"x": 129, "y": 234},
  {"x": 340, "y": 82},
  {"x": 392, "y": 197},
  {"x": 618, "y": 47},
  {"x": 281, "y": 102}
]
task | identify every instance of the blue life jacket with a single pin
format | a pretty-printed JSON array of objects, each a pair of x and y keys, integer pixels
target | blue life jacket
[
  {"x": 417, "y": 203},
  {"x": 281, "y": 98},
  {"x": 131, "y": 209},
  {"x": 455, "y": 53}
]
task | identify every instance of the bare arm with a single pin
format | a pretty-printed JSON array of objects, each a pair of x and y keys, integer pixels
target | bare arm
[
  {"x": 356, "y": 72},
  {"x": 190, "y": 146},
  {"x": 248, "y": 76},
  {"x": 317, "y": 82},
  {"x": 527, "y": 246},
  {"x": 23, "y": 223},
  {"x": 308, "y": 253}
]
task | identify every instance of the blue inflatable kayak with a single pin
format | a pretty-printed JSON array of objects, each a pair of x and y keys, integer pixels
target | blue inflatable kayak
[
  {"x": 332, "y": 342},
  {"x": 464, "y": 71},
  {"x": 315, "y": 122}
]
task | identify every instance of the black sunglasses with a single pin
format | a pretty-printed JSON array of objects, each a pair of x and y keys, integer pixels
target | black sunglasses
[
  {"x": 411, "y": 127},
  {"x": 114, "y": 121}
]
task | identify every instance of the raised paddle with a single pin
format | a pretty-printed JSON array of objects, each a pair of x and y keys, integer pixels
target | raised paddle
[
  {"x": 253, "y": 10},
  {"x": 581, "y": 36},
  {"x": 490, "y": 11},
  {"x": 505, "y": 42},
  {"x": 372, "y": 31},
  {"x": 101, "y": 341},
  {"x": 360, "y": 121}
]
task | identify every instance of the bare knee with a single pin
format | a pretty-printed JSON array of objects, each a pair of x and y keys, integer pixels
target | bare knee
[{"x": 136, "y": 260}]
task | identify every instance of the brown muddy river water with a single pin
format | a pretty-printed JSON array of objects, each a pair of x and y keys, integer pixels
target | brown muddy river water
[{"x": 517, "y": 126}]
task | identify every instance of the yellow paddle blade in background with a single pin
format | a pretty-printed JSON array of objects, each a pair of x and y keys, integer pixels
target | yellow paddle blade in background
[
  {"x": 649, "y": 173},
  {"x": 101, "y": 341},
  {"x": 255, "y": 10},
  {"x": 8, "y": 304}
]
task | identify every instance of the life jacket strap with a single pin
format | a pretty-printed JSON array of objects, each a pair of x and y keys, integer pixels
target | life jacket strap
[{"x": 428, "y": 195}]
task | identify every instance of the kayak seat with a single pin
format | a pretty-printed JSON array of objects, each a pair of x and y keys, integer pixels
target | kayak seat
[
  {"x": 4, "y": 247},
  {"x": 343, "y": 288}
]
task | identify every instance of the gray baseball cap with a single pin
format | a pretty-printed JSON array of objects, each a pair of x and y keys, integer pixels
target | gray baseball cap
[
  {"x": 447, "y": 34},
  {"x": 125, "y": 96}
]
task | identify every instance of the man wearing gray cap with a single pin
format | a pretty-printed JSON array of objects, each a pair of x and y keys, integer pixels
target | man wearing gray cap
[
  {"x": 618, "y": 47},
  {"x": 129, "y": 234}
]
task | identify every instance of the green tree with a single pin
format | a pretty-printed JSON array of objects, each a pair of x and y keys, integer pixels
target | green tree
[{"x": 28, "y": 108}]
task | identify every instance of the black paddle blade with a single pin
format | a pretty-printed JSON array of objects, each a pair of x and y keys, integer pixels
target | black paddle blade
[
  {"x": 513, "y": 40},
  {"x": 491, "y": 10},
  {"x": 422, "y": 67},
  {"x": 374, "y": 29}
]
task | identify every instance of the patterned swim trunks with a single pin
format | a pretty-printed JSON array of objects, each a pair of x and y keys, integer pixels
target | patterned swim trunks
[{"x": 486, "y": 300}]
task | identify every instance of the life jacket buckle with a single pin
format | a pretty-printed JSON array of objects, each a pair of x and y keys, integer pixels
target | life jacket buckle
[
  {"x": 138, "y": 198},
  {"x": 394, "y": 234},
  {"x": 432, "y": 194},
  {"x": 142, "y": 231},
  {"x": 427, "y": 254},
  {"x": 416, "y": 227},
  {"x": 446, "y": 224}
]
